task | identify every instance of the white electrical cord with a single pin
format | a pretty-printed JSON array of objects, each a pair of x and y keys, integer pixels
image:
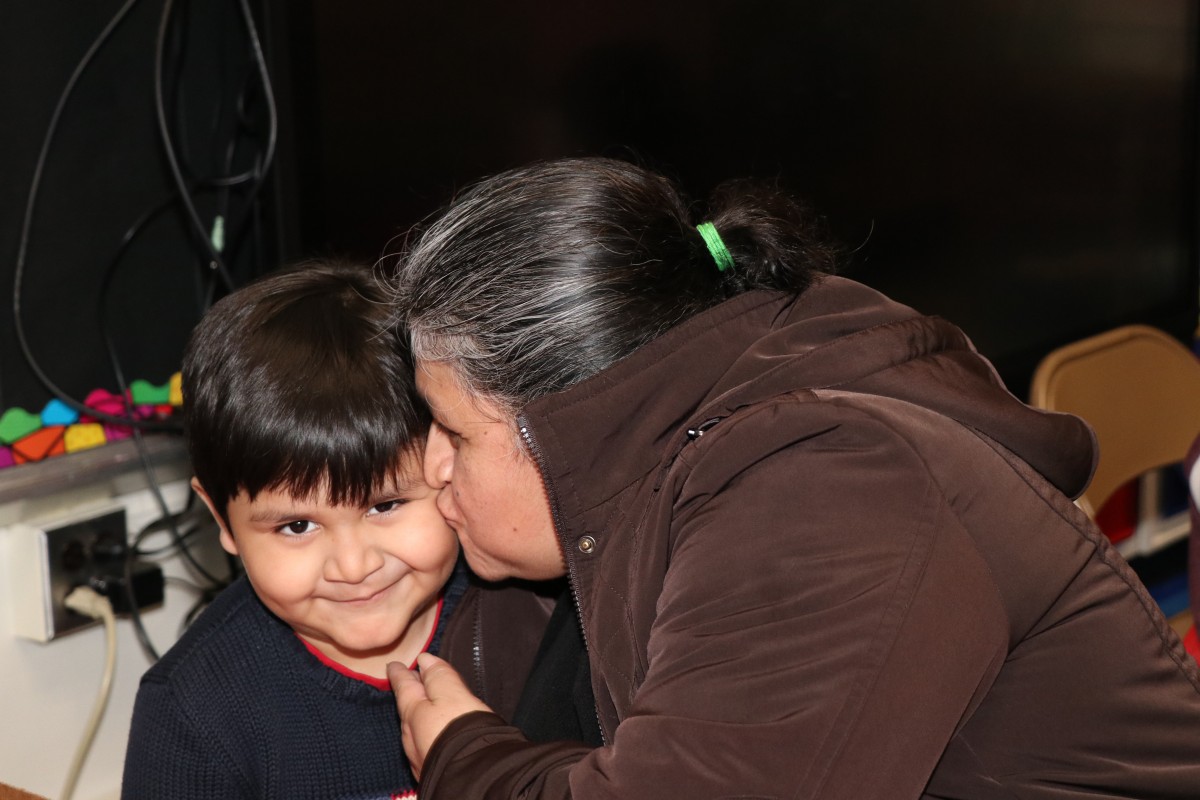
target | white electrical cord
[{"x": 88, "y": 602}]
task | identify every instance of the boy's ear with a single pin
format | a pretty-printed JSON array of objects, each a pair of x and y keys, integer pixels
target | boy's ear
[{"x": 227, "y": 540}]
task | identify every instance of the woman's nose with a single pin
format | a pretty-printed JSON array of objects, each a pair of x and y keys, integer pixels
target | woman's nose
[{"x": 439, "y": 457}]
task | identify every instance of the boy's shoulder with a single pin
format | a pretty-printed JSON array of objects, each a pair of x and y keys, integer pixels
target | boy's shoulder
[{"x": 233, "y": 623}]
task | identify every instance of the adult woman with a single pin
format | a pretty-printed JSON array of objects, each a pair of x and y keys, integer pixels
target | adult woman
[{"x": 817, "y": 549}]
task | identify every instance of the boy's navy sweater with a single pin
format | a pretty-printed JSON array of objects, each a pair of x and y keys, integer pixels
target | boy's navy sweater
[{"x": 239, "y": 708}]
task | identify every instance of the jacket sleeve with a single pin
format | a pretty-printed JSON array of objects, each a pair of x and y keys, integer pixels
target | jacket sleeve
[
  {"x": 482, "y": 754},
  {"x": 168, "y": 756},
  {"x": 824, "y": 626}
]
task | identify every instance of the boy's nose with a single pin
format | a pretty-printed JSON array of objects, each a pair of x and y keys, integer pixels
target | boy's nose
[
  {"x": 439, "y": 457},
  {"x": 353, "y": 559}
]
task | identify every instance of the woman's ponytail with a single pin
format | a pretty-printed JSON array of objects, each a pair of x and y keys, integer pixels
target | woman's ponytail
[{"x": 775, "y": 241}]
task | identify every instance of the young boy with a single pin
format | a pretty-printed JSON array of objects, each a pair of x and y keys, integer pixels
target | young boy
[{"x": 306, "y": 437}]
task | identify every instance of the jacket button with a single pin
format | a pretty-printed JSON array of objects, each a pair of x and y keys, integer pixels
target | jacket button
[{"x": 586, "y": 545}]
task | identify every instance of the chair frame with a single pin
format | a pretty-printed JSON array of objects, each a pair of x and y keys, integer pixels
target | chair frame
[{"x": 1139, "y": 389}]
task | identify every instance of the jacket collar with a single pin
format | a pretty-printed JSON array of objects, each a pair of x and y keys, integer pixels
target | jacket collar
[{"x": 612, "y": 430}]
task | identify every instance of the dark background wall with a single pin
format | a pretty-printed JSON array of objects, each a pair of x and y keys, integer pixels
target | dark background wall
[
  {"x": 105, "y": 172},
  {"x": 1024, "y": 168}
]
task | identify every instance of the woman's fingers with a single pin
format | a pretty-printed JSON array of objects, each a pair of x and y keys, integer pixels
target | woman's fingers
[{"x": 427, "y": 702}]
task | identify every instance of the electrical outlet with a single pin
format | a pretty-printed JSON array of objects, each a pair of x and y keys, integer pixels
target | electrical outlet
[{"x": 49, "y": 562}]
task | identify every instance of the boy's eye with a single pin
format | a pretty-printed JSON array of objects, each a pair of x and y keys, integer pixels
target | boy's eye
[
  {"x": 385, "y": 506},
  {"x": 297, "y": 527}
]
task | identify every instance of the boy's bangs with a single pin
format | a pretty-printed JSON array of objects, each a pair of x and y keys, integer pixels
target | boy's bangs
[{"x": 349, "y": 454}]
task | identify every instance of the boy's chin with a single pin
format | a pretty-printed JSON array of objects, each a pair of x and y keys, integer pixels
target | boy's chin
[
  {"x": 355, "y": 644},
  {"x": 366, "y": 643}
]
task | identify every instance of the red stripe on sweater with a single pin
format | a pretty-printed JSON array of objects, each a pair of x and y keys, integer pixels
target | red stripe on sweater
[{"x": 379, "y": 683}]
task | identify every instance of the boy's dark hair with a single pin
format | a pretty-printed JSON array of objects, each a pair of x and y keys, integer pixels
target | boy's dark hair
[{"x": 301, "y": 381}]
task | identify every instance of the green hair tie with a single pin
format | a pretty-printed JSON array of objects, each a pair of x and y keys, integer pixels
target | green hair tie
[{"x": 716, "y": 247}]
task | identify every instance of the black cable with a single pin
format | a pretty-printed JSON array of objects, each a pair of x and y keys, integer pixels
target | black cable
[
  {"x": 248, "y": 219},
  {"x": 254, "y": 176},
  {"x": 135, "y": 614},
  {"x": 179, "y": 40},
  {"x": 165, "y": 550},
  {"x": 184, "y": 583},
  {"x": 31, "y": 202},
  {"x": 155, "y": 491},
  {"x": 179, "y": 539},
  {"x": 165, "y": 524},
  {"x": 27, "y": 223},
  {"x": 127, "y": 240},
  {"x": 169, "y": 521},
  {"x": 176, "y": 536},
  {"x": 216, "y": 262},
  {"x": 268, "y": 94},
  {"x": 203, "y": 598}
]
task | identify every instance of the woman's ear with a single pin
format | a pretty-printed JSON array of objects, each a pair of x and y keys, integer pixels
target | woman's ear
[{"x": 227, "y": 540}]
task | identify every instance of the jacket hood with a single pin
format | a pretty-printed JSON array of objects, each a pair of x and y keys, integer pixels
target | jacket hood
[
  {"x": 839, "y": 334},
  {"x": 844, "y": 335}
]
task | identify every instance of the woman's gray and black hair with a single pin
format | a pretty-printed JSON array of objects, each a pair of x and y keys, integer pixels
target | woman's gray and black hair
[{"x": 542, "y": 276}]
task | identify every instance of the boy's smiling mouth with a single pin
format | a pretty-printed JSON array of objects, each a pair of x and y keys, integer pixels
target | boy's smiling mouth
[{"x": 366, "y": 598}]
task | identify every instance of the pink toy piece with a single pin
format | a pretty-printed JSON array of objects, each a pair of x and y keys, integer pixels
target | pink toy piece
[
  {"x": 115, "y": 433},
  {"x": 104, "y": 402}
]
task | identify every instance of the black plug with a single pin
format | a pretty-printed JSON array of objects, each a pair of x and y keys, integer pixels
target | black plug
[{"x": 123, "y": 583}]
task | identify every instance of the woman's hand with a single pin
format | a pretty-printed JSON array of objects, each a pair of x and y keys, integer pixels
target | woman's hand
[{"x": 427, "y": 702}]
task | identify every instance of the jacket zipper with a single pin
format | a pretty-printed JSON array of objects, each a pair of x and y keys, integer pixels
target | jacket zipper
[
  {"x": 477, "y": 650},
  {"x": 568, "y": 552},
  {"x": 696, "y": 432}
]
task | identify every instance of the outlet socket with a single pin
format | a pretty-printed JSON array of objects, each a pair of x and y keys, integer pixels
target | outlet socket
[{"x": 47, "y": 563}]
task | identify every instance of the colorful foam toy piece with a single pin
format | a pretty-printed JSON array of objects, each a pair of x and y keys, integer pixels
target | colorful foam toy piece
[
  {"x": 17, "y": 423},
  {"x": 105, "y": 402},
  {"x": 145, "y": 393},
  {"x": 83, "y": 436},
  {"x": 59, "y": 428},
  {"x": 113, "y": 405},
  {"x": 57, "y": 412},
  {"x": 40, "y": 444}
]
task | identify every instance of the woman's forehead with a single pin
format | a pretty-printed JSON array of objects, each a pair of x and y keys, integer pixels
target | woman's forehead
[{"x": 450, "y": 399}]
